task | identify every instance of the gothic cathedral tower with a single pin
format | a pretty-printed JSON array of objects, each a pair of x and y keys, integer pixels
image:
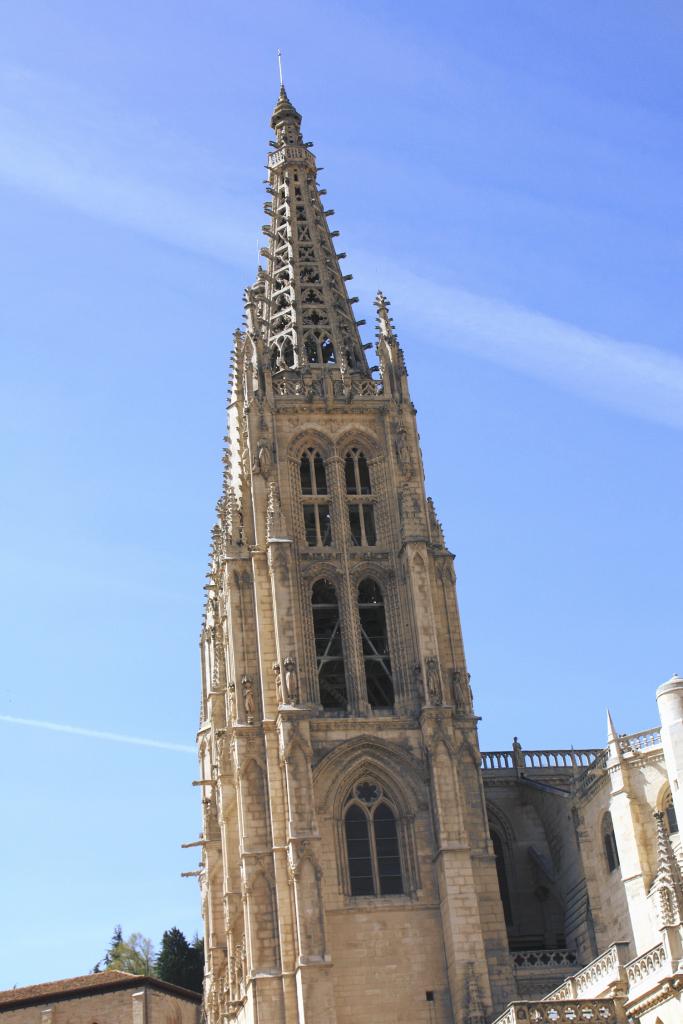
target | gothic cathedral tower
[{"x": 348, "y": 873}]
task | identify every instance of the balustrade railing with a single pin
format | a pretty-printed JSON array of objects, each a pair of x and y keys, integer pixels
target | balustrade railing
[
  {"x": 646, "y": 965},
  {"x": 364, "y": 388},
  {"x": 607, "y": 969},
  {"x": 641, "y": 740},
  {"x": 492, "y": 760},
  {"x": 297, "y": 387},
  {"x": 543, "y": 958},
  {"x": 581, "y": 1011}
]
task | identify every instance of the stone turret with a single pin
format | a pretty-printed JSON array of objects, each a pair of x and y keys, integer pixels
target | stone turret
[{"x": 670, "y": 704}]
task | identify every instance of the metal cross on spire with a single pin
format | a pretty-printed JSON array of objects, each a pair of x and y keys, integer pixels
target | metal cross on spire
[{"x": 279, "y": 65}]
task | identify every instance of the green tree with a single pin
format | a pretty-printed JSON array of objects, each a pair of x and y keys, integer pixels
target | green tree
[
  {"x": 135, "y": 955},
  {"x": 181, "y": 962},
  {"x": 106, "y": 960}
]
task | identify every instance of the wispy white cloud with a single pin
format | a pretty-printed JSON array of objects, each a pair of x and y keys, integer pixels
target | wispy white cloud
[
  {"x": 636, "y": 379},
  {"x": 96, "y": 734},
  {"x": 57, "y": 144},
  {"x": 68, "y": 157}
]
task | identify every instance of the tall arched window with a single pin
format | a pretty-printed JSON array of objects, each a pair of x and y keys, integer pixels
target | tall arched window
[
  {"x": 373, "y": 627},
  {"x": 361, "y": 507},
  {"x": 609, "y": 843},
  {"x": 328, "y": 646},
  {"x": 317, "y": 520},
  {"x": 501, "y": 871},
  {"x": 372, "y": 844}
]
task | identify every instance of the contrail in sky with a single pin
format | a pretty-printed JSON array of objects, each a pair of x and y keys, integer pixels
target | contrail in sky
[
  {"x": 56, "y": 145},
  {"x": 95, "y": 734}
]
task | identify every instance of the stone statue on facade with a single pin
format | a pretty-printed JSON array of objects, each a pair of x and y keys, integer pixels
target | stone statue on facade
[
  {"x": 249, "y": 699},
  {"x": 291, "y": 681},
  {"x": 277, "y": 672},
  {"x": 434, "y": 695}
]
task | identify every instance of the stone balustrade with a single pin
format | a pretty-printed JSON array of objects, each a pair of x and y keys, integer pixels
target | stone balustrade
[
  {"x": 641, "y": 740},
  {"x": 596, "y": 977},
  {"x": 576, "y": 1011},
  {"x": 647, "y": 966},
  {"x": 363, "y": 388},
  {"x": 543, "y": 958},
  {"x": 300, "y": 154},
  {"x": 492, "y": 760}
]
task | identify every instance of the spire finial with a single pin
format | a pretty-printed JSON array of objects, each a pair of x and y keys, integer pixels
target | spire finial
[{"x": 279, "y": 67}]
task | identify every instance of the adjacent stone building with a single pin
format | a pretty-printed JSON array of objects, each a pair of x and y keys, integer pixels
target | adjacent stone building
[
  {"x": 110, "y": 997},
  {"x": 362, "y": 860}
]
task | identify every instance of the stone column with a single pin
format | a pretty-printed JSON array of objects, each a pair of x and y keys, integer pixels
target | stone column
[{"x": 670, "y": 705}]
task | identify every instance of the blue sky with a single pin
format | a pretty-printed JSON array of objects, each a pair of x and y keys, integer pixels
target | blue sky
[{"x": 509, "y": 174}]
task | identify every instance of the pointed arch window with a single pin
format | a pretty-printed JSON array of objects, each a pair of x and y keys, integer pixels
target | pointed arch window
[
  {"x": 329, "y": 652},
  {"x": 359, "y": 496},
  {"x": 372, "y": 843},
  {"x": 318, "y": 344},
  {"x": 373, "y": 626},
  {"x": 317, "y": 518},
  {"x": 609, "y": 843}
]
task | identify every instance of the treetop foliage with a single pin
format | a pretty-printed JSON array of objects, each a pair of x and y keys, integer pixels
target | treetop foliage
[{"x": 178, "y": 962}]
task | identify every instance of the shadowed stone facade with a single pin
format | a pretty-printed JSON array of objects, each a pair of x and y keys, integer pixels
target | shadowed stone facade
[{"x": 361, "y": 859}]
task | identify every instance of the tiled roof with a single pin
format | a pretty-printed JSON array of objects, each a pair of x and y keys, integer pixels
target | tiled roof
[{"x": 86, "y": 984}]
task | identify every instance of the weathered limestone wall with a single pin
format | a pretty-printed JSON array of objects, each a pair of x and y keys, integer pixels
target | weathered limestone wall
[
  {"x": 386, "y": 961},
  {"x": 130, "y": 1006}
]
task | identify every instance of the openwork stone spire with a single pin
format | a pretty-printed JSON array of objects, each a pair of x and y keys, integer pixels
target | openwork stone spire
[{"x": 309, "y": 321}]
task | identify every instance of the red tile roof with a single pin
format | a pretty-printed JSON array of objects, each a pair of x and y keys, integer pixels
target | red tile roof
[{"x": 86, "y": 984}]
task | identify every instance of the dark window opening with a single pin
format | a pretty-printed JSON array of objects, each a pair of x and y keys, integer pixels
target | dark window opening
[
  {"x": 358, "y": 849},
  {"x": 311, "y": 351},
  {"x": 378, "y": 678},
  {"x": 372, "y": 844},
  {"x": 312, "y": 473},
  {"x": 318, "y": 526},
  {"x": 362, "y": 525},
  {"x": 357, "y": 473},
  {"x": 386, "y": 845},
  {"x": 288, "y": 353},
  {"x": 328, "y": 646},
  {"x": 361, "y": 514},
  {"x": 327, "y": 350},
  {"x": 610, "y": 843}
]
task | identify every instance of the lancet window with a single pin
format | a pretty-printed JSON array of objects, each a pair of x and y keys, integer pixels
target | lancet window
[
  {"x": 329, "y": 651},
  {"x": 319, "y": 345},
  {"x": 375, "y": 643},
  {"x": 609, "y": 843},
  {"x": 372, "y": 842},
  {"x": 359, "y": 496},
  {"x": 317, "y": 519}
]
